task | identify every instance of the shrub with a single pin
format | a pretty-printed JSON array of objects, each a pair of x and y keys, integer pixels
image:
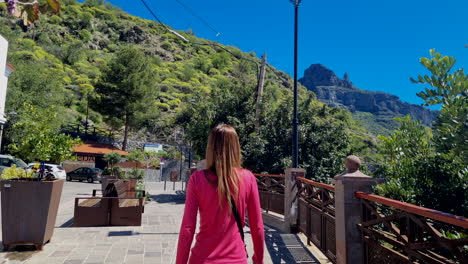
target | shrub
[
  {"x": 167, "y": 46},
  {"x": 85, "y": 35},
  {"x": 55, "y": 20},
  {"x": 112, "y": 158},
  {"x": 15, "y": 173},
  {"x": 135, "y": 173},
  {"x": 221, "y": 61}
]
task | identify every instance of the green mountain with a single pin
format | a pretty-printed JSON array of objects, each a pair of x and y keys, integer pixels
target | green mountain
[
  {"x": 69, "y": 62},
  {"x": 74, "y": 46}
]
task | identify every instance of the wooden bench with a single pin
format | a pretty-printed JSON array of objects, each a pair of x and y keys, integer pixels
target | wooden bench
[
  {"x": 130, "y": 185},
  {"x": 117, "y": 209}
]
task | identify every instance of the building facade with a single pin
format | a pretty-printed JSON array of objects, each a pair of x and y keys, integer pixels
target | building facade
[
  {"x": 90, "y": 154},
  {"x": 5, "y": 70}
]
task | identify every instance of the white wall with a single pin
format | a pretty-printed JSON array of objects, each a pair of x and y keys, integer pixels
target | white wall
[{"x": 3, "y": 77}]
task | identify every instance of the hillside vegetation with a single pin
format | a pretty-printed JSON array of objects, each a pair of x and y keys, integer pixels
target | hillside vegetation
[{"x": 72, "y": 61}]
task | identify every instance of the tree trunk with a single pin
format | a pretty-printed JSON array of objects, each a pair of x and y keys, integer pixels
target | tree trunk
[{"x": 124, "y": 144}]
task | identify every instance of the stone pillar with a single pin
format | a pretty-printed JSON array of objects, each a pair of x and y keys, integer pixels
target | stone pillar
[
  {"x": 290, "y": 201},
  {"x": 348, "y": 211}
]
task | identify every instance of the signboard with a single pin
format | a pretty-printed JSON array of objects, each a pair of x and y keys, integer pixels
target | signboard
[
  {"x": 86, "y": 158},
  {"x": 153, "y": 147}
]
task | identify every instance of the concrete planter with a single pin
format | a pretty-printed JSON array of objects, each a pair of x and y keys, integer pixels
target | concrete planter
[
  {"x": 131, "y": 187},
  {"x": 29, "y": 211},
  {"x": 106, "y": 179},
  {"x": 118, "y": 210},
  {"x": 129, "y": 183}
]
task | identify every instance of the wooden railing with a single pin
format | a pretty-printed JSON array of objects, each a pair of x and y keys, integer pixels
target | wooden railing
[
  {"x": 316, "y": 208},
  {"x": 397, "y": 232},
  {"x": 271, "y": 190},
  {"x": 391, "y": 231},
  {"x": 89, "y": 130},
  {"x": 316, "y": 215}
]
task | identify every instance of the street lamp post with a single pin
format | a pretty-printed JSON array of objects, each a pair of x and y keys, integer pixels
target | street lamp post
[{"x": 295, "y": 147}]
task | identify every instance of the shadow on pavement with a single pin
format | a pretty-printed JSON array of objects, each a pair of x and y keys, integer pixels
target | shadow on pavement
[
  {"x": 286, "y": 248},
  {"x": 68, "y": 223},
  {"x": 132, "y": 233},
  {"x": 177, "y": 198},
  {"x": 20, "y": 253}
]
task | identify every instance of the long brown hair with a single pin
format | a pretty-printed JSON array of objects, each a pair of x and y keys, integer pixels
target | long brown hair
[{"x": 223, "y": 156}]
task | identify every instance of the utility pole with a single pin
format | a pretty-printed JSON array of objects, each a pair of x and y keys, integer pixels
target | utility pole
[
  {"x": 295, "y": 143},
  {"x": 261, "y": 82}
]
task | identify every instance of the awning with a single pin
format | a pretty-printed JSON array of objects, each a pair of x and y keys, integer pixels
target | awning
[{"x": 98, "y": 149}]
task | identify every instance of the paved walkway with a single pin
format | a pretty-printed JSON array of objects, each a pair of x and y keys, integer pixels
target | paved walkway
[{"x": 154, "y": 242}]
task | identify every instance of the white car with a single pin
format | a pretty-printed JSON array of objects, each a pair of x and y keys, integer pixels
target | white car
[
  {"x": 7, "y": 161},
  {"x": 55, "y": 169}
]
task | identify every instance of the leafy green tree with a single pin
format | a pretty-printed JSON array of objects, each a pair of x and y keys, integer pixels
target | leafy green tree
[
  {"x": 164, "y": 155},
  {"x": 408, "y": 146},
  {"x": 125, "y": 88},
  {"x": 36, "y": 84},
  {"x": 416, "y": 174},
  {"x": 425, "y": 169},
  {"x": 37, "y": 139},
  {"x": 449, "y": 88},
  {"x": 221, "y": 61},
  {"x": 411, "y": 141},
  {"x": 174, "y": 154},
  {"x": 147, "y": 158},
  {"x": 432, "y": 171},
  {"x": 324, "y": 141},
  {"x": 112, "y": 158}
]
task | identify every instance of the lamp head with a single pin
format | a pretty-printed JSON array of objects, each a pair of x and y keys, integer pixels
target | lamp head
[{"x": 295, "y": 2}]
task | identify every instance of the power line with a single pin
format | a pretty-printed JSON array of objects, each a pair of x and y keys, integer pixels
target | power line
[
  {"x": 197, "y": 43},
  {"x": 285, "y": 82},
  {"x": 198, "y": 17},
  {"x": 153, "y": 14},
  {"x": 240, "y": 57}
]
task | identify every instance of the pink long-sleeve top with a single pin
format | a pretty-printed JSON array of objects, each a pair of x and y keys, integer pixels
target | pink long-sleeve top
[{"x": 219, "y": 240}]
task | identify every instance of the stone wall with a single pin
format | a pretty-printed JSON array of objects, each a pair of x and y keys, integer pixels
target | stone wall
[{"x": 150, "y": 175}]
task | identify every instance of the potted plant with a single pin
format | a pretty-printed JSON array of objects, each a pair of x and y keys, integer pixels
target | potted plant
[
  {"x": 29, "y": 207},
  {"x": 111, "y": 173},
  {"x": 30, "y": 201},
  {"x": 131, "y": 179},
  {"x": 147, "y": 159}
]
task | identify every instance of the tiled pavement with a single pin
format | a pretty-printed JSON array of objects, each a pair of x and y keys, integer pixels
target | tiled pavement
[{"x": 154, "y": 242}]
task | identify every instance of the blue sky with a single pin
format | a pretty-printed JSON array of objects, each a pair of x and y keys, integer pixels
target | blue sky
[{"x": 378, "y": 43}]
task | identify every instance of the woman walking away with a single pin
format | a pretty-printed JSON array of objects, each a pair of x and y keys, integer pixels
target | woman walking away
[{"x": 222, "y": 193}]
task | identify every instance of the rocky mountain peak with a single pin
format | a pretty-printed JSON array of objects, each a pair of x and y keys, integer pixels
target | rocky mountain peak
[
  {"x": 319, "y": 75},
  {"x": 337, "y": 92}
]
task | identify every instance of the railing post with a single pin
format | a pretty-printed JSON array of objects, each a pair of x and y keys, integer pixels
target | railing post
[
  {"x": 290, "y": 199},
  {"x": 348, "y": 211}
]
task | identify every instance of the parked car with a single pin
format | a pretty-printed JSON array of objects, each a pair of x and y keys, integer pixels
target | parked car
[
  {"x": 7, "y": 161},
  {"x": 89, "y": 174},
  {"x": 56, "y": 170}
]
